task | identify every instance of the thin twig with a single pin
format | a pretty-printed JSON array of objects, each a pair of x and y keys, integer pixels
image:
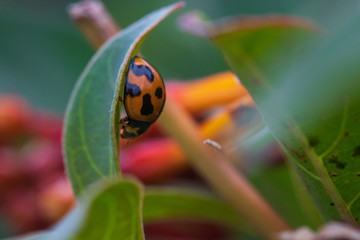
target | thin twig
[{"x": 94, "y": 21}]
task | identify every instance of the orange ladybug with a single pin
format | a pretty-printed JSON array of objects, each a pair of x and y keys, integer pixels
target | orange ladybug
[{"x": 144, "y": 98}]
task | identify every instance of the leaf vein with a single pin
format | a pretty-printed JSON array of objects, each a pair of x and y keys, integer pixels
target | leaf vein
[
  {"x": 318, "y": 164},
  {"x": 76, "y": 176},
  {"x": 350, "y": 204},
  {"x": 307, "y": 171},
  {"x": 341, "y": 131},
  {"x": 82, "y": 134}
]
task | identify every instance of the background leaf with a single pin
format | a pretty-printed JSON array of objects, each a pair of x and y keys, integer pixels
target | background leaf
[
  {"x": 91, "y": 126},
  {"x": 305, "y": 88},
  {"x": 167, "y": 203}
]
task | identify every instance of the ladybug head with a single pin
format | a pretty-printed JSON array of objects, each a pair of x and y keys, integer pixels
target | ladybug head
[{"x": 132, "y": 129}]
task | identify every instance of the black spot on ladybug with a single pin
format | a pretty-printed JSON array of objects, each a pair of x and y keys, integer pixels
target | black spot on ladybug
[
  {"x": 356, "y": 151},
  {"x": 332, "y": 204},
  {"x": 313, "y": 141},
  {"x": 141, "y": 70},
  {"x": 132, "y": 89},
  {"x": 147, "y": 107},
  {"x": 159, "y": 92}
]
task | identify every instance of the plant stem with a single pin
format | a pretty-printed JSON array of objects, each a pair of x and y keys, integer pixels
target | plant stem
[
  {"x": 222, "y": 177},
  {"x": 94, "y": 21}
]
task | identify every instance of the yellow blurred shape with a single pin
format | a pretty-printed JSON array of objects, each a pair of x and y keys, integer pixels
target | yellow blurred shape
[
  {"x": 214, "y": 90},
  {"x": 223, "y": 121},
  {"x": 217, "y": 123}
]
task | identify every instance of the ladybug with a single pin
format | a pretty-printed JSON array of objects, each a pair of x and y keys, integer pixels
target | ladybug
[{"x": 144, "y": 98}]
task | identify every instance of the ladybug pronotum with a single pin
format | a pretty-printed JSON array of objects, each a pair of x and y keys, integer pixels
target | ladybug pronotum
[{"x": 144, "y": 98}]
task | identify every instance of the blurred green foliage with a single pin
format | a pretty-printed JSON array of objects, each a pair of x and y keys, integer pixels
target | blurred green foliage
[
  {"x": 42, "y": 53},
  {"x": 305, "y": 85},
  {"x": 277, "y": 185}
]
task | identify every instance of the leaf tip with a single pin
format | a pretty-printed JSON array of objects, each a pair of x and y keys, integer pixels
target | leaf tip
[
  {"x": 193, "y": 22},
  {"x": 179, "y": 5}
]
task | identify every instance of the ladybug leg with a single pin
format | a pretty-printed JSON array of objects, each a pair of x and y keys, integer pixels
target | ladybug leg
[
  {"x": 121, "y": 100},
  {"x": 122, "y": 129},
  {"x": 123, "y": 134},
  {"x": 124, "y": 121}
]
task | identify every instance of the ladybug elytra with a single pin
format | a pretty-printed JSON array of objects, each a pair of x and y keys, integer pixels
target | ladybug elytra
[{"x": 144, "y": 98}]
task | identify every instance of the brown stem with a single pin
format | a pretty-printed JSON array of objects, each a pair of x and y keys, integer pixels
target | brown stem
[
  {"x": 216, "y": 170},
  {"x": 94, "y": 21}
]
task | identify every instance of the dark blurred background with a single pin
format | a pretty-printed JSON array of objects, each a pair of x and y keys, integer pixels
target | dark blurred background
[{"x": 42, "y": 53}]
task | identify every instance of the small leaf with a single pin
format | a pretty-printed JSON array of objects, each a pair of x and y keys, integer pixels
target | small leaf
[
  {"x": 306, "y": 88},
  {"x": 91, "y": 130},
  {"x": 108, "y": 210},
  {"x": 116, "y": 208},
  {"x": 162, "y": 204}
]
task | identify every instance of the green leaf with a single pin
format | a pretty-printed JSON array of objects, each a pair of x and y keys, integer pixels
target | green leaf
[
  {"x": 109, "y": 210},
  {"x": 306, "y": 86},
  {"x": 164, "y": 204},
  {"x": 91, "y": 123},
  {"x": 115, "y": 209}
]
